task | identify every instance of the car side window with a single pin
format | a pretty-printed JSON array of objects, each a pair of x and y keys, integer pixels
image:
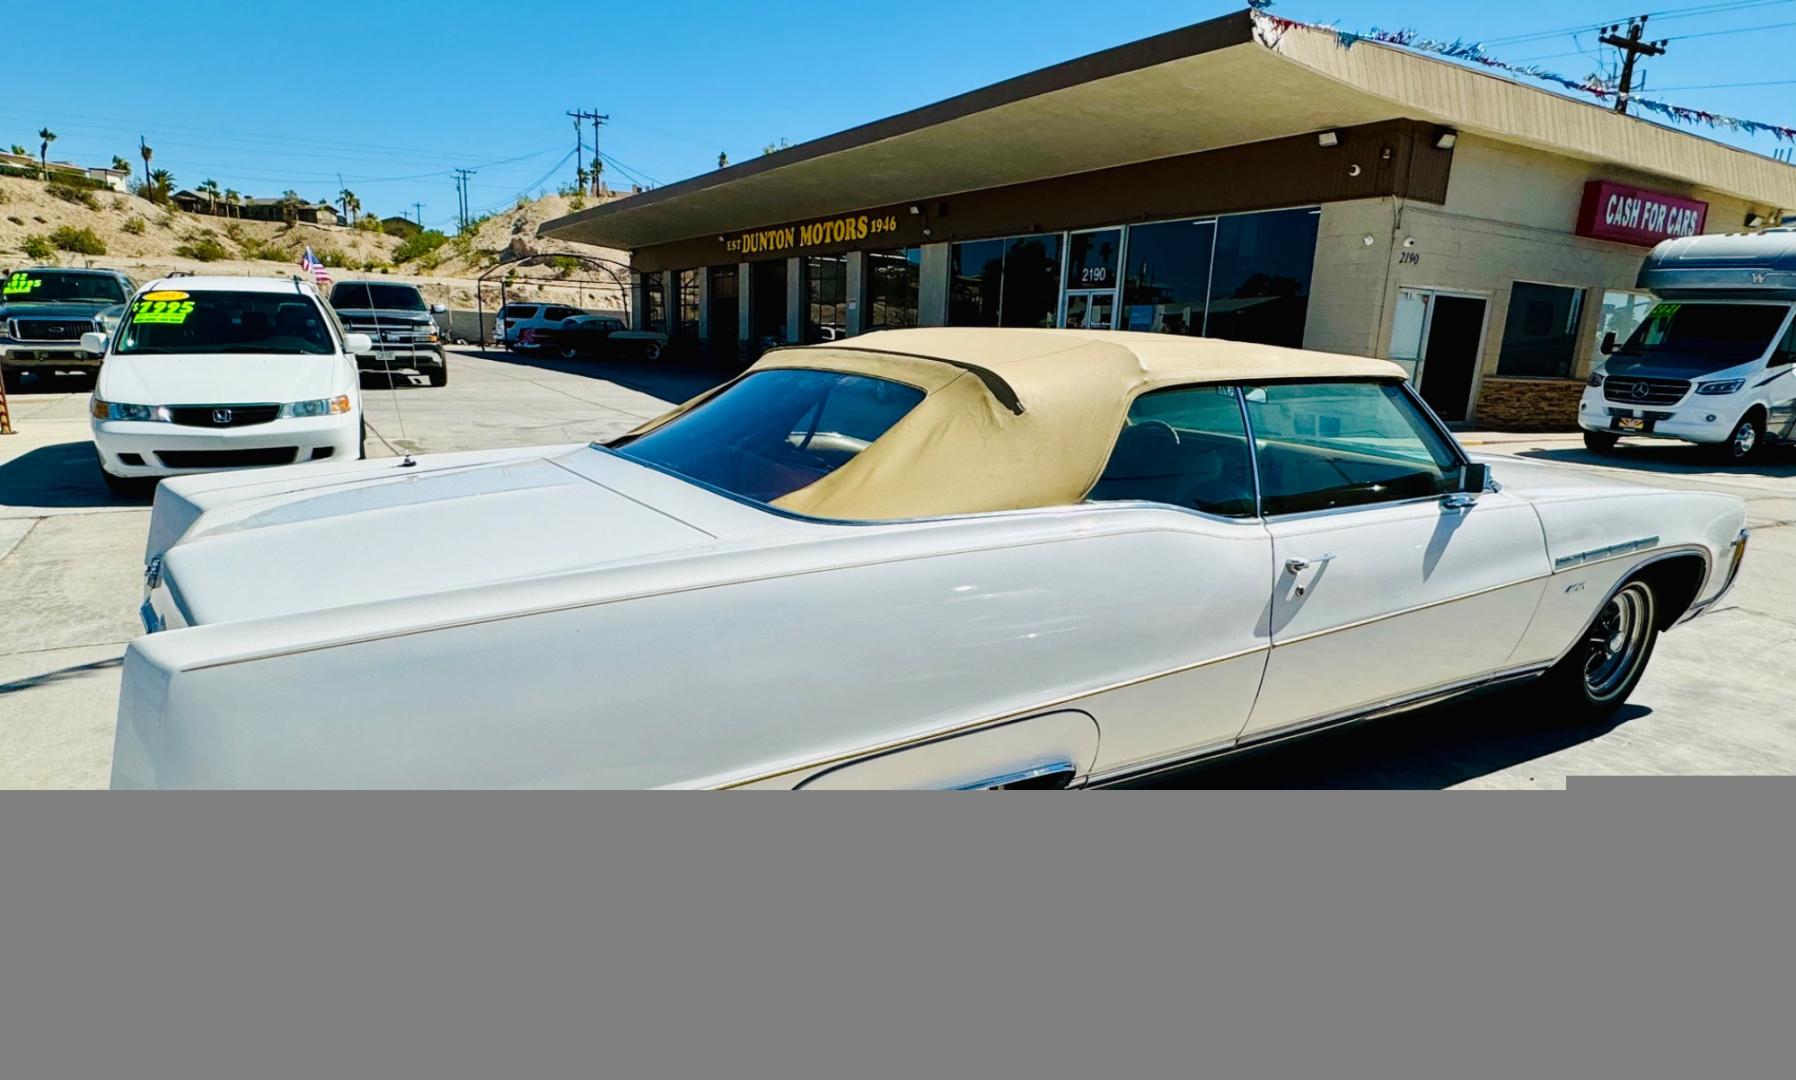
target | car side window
[
  {"x": 1326, "y": 445},
  {"x": 1186, "y": 447},
  {"x": 1786, "y": 350}
]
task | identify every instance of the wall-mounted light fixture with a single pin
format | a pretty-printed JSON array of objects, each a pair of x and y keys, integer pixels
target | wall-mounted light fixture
[
  {"x": 1755, "y": 221},
  {"x": 915, "y": 209},
  {"x": 1329, "y": 138},
  {"x": 1447, "y": 140}
]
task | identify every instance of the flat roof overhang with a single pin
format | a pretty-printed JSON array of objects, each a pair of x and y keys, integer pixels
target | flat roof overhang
[{"x": 1217, "y": 84}]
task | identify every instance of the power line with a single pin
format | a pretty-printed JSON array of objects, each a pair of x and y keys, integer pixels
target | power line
[
  {"x": 1665, "y": 15},
  {"x": 1633, "y": 48},
  {"x": 1729, "y": 85}
]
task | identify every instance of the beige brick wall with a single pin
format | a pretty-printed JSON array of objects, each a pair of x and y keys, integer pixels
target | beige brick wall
[{"x": 1509, "y": 217}]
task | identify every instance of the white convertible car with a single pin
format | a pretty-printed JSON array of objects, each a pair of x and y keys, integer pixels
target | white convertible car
[{"x": 922, "y": 558}]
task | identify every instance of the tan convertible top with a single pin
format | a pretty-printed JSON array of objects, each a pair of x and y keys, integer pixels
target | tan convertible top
[{"x": 1013, "y": 418}]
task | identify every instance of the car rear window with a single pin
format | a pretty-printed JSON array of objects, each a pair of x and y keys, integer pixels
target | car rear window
[
  {"x": 353, "y": 295},
  {"x": 518, "y": 311},
  {"x": 776, "y": 431}
]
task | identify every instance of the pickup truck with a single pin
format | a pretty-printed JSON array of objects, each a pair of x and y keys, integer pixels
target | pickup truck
[
  {"x": 44, "y": 310},
  {"x": 401, "y": 326}
]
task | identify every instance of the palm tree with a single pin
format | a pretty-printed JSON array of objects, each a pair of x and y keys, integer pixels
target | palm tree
[
  {"x": 143, "y": 148},
  {"x": 160, "y": 183},
  {"x": 347, "y": 197},
  {"x": 290, "y": 206},
  {"x": 210, "y": 190},
  {"x": 233, "y": 201},
  {"x": 43, "y": 150},
  {"x": 19, "y": 150},
  {"x": 119, "y": 164}
]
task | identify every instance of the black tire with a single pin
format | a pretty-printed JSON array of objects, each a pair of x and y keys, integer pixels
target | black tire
[
  {"x": 439, "y": 375},
  {"x": 361, "y": 442},
  {"x": 568, "y": 352},
  {"x": 11, "y": 379},
  {"x": 1604, "y": 667},
  {"x": 1600, "y": 442},
  {"x": 651, "y": 351},
  {"x": 1745, "y": 443}
]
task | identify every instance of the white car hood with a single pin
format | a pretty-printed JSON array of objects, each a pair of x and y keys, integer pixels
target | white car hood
[
  {"x": 216, "y": 378},
  {"x": 380, "y": 533}
]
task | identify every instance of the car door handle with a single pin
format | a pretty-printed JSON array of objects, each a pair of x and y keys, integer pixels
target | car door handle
[{"x": 1296, "y": 568}]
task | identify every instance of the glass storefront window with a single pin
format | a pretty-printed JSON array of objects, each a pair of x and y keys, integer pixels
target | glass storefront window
[
  {"x": 1540, "y": 334},
  {"x": 767, "y": 305},
  {"x": 654, "y": 303},
  {"x": 826, "y": 298},
  {"x": 1260, "y": 281},
  {"x": 893, "y": 279},
  {"x": 1166, "y": 285},
  {"x": 688, "y": 313},
  {"x": 1013, "y": 282},
  {"x": 1622, "y": 313}
]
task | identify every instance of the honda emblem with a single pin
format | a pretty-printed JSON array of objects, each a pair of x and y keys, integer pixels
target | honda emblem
[{"x": 221, "y": 417}]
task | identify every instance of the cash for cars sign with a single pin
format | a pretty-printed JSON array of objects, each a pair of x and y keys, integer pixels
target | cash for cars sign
[{"x": 1630, "y": 215}]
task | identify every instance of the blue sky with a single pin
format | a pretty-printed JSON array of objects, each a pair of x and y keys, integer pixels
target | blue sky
[{"x": 392, "y": 95}]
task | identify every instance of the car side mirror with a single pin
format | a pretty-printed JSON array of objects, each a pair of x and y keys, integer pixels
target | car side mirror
[
  {"x": 1474, "y": 478},
  {"x": 93, "y": 342},
  {"x": 357, "y": 344},
  {"x": 1609, "y": 343},
  {"x": 439, "y": 309}
]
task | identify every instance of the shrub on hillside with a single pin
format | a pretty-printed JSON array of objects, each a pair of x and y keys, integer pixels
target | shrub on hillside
[
  {"x": 416, "y": 247},
  {"x": 371, "y": 224},
  {"x": 132, "y": 225},
  {"x": 71, "y": 194},
  {"x": 206, "y": 247},
  {"x": 80, "y": 241},
  {"x": 39, "y": 247}
]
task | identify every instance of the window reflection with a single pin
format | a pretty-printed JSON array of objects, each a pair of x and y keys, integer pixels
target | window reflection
[
  {"x": 893, "y": 280},
  {"x": 1012, "y": 282},
  {"x": 1260, "y": 283},
  {"x": 826, "y": 298},
  {"x": 1168, "y": 282}
]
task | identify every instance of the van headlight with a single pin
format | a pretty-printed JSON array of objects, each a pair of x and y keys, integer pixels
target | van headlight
[
  {"x": 1720, "y": 386},
  {"x": 1596, "y": 378},
  {"x": 328, "y": 406},
  {"x": 100, "y": 409}
]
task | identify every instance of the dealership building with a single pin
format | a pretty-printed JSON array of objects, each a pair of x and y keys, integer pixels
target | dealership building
[{"x": 1228, "y": 180}]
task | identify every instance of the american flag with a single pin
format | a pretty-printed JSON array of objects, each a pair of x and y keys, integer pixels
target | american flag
[{"x": 309, "y": 261}]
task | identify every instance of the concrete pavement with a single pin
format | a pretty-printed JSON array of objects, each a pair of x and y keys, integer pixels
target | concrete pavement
[
  {"x": 71, "y": 554},
  {"x": 1713, "y": 702}
]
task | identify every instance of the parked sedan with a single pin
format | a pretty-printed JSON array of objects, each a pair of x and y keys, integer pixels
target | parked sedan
[
  {"x": 921, "y": 558},
  {"x": 595, "y": 335}
]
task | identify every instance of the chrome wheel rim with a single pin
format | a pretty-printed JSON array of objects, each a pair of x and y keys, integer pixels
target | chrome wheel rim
[
  {"x": 1616, "y": 643},
  {"x": 1745, "y": 438}
]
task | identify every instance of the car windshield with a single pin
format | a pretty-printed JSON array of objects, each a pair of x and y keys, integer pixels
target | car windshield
[
  {"x": 776, "y": 431},
  {"x": 172, "y": 321},
  {"x": 1701, "y": 337},
  {"x": 61, "y": 287},
  {"x": 351, "y": 295}
]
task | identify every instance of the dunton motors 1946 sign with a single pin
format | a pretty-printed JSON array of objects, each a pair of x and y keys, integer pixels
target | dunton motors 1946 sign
[
  {"x": 836, "y": 230},
  {"x": 1631, "y": 215}
]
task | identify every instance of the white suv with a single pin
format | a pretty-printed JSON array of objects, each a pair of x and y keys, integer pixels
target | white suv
[
  {"x": 207, "y": 373},
  {"x": 514, "y": 319}
]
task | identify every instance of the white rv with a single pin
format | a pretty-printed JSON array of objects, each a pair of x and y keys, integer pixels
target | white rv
[{"x": 1715, "y": 360}]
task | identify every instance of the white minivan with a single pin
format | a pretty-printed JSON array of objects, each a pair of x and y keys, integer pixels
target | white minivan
[
  {"x": 207, "y": 373},
  {"x": 1714, "y": 362}
]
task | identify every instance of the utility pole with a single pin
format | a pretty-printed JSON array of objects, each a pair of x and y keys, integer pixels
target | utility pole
[
  {"x": 597, "y": 118},
  {"x": 1633, "y": 48},
  {"x": 461, "y": 189},
  {"x": 418, "y": 211}
]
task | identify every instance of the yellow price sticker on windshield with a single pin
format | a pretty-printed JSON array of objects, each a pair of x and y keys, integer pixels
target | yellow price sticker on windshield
[
  {"x": 168, "y": 312},
  {"x": 1665, "y": 311},
  {"x": 20, "y": 283},
  {"x": 165, "y": 294}
]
